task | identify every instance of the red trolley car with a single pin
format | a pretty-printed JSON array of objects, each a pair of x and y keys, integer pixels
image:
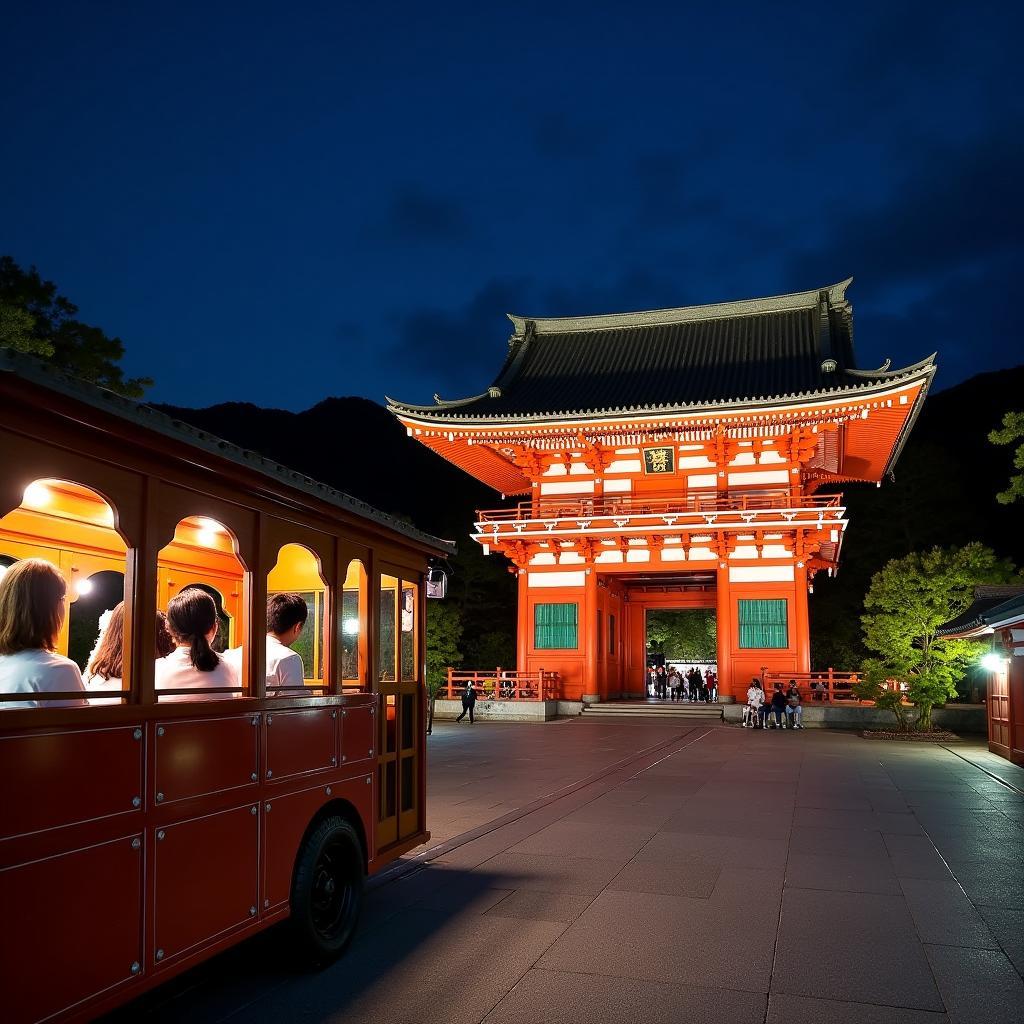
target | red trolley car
[{"x": 140, "y": 835}]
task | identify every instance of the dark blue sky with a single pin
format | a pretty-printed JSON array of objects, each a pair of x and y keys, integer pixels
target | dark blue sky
[{"x": 281, "y": 202}]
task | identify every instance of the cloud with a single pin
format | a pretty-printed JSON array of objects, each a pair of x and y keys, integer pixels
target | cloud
[
  {"x": 458, "y": 352},
  {"x": 957, "y": 207},
  {"x": 666, "y": 191},
  {"x": 937, "y": 259},
  {"x": 561, "y": 136},
  {"x": 417, "y": 215},
  {"x": 972, "y": 321}
]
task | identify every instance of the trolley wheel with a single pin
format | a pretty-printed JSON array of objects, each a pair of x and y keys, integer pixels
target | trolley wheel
[{"x": 327, "y": 893}]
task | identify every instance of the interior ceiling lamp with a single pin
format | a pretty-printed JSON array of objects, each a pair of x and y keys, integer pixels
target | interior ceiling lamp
[{"x": 38, "y": 495}]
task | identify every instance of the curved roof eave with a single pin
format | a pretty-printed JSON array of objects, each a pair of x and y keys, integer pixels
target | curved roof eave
[{"x": 435, "y": 415}]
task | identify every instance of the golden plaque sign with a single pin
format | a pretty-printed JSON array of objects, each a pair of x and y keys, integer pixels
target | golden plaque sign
[{"x": 659, "y": 460}]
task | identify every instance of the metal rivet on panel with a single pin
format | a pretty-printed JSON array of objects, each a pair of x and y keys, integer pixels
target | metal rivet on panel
[
  {"x": 252, "y": 911},
  {"x": 159, "y": 954},
  {"x": 334, "y": 760},
  {"x": 159, "y": 798},
  {"x": 136, "y": 843},
  {"x": 270, "y": 774},
  {"x": 344, "y": 758},
  {"x": 254, "y": 777},
  {"x": 137, "y": 734},
  {"x": 344, "y": 713},
  {"x": 136, "y": 967},
  {"x": 159, "y": 730},
  {"x": 334, "y": 714},
  {"x": 160, "y": 835},
  {"x": 368, "y": 780},
  {"x": 270, "y": 718},
  {"x": 371, "y": 751},
  {"x": 255, "y": 720},
  {"x": 136, "y": 801},
  {"x": 266, "y": 903},
  {"x": 266, "y": 807},
  {"x": 328, "y": 790},
  {"x": 254, "y": 809}
]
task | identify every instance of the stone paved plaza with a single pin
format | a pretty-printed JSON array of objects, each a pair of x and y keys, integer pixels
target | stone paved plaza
[{"x": 625, "y": 871}]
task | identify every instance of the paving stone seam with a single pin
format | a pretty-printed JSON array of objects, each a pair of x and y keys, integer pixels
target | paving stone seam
[
  {"x": 782, "y": 895},
  {"x": 974, "y": 906},
  {"x": 981, "y": 768},
  {"x": 404, "y": 868}
]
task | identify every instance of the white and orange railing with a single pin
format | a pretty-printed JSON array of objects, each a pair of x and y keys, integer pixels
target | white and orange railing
[{"x": 622, "y": 514}]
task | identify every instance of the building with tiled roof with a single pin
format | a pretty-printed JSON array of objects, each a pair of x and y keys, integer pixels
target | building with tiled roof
[{"x": 672, "y": 458}]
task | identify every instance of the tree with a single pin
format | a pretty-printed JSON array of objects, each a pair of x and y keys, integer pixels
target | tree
[
  {"x": 36, "y": 320},
  {"x": 1013, "y": 430},
  {"x": 906, "y": 603},
  {"x": 874, "y": 686},
  {"x": 688, "y": 634},
  {"x": 444, "y": 634}
]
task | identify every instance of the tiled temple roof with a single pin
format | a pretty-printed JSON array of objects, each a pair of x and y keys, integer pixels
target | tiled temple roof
[
  {"x": 752, "y": 352},
  {"x": 992, "y": 603}
]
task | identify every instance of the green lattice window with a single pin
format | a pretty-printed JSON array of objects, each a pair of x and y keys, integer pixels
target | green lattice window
[
  {"x": 763, "y": 623},
  {"x": 555, "y": 626}
]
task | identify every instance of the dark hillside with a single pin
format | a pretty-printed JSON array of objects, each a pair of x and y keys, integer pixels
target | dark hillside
[{"x": 360, "y": 448}]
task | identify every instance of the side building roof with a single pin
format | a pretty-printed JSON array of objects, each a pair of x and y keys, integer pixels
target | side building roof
[
  {"x": 145, "y": 416},
  {"x": 766, "y": 351},
  {"x": 992, "y": 605}
]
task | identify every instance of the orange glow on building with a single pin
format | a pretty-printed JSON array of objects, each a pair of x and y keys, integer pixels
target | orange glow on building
[{"x": 673, "y": 459}]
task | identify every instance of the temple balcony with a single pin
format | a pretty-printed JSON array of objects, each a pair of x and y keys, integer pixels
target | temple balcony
[{"x": 637, "y": 515}]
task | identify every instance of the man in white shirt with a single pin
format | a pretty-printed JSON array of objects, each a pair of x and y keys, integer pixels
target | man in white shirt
[{"x": 286, "y": 615}]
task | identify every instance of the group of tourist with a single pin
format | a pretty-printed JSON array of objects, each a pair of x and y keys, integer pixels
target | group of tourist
[
  {"x": 32, "y": 607},
  {"x": 782, "y": 710},
  {"x": 670, "y": 682}
]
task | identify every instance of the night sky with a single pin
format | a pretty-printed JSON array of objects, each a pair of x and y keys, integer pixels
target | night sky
[{"x": 280, "y": 202}]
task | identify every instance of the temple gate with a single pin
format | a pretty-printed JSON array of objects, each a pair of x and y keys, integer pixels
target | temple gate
[{"x": 674, "y": 459}]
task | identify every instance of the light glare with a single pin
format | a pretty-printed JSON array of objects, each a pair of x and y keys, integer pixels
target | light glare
[
  {"x": 37, "y": 495},
  {"x": 992, "y": 662},
  {"x": 83, "y": 587},
  {"x": 350, "y": 627}
]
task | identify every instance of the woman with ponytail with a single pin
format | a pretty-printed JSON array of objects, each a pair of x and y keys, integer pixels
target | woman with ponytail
[{"x": 193, "y": 664}]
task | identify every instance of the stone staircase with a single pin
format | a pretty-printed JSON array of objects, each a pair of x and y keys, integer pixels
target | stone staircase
[{"x": 654, "y": 709}]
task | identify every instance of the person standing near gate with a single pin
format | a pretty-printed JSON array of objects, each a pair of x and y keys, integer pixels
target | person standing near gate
[{"x": 468, "y": 701}]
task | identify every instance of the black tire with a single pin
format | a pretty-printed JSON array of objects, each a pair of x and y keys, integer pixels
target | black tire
[{"x": 327, "y": 892}]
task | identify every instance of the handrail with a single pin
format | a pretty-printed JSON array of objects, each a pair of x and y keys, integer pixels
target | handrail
[
  {"x": 89, "y": 696},
  {"x": 631, "y": 505},
  {"x": 824, "y": 687},
  {"x": 504, "y": 684}
]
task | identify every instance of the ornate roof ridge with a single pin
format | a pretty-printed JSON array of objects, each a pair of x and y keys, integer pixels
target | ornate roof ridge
[
  {"x": 34, "y": 370},
  {"x": 683, "y": 314},
  {"x": 888, "y": 377}
]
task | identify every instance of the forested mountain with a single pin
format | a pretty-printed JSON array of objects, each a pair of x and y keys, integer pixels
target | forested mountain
[{"x": 943, "y": 493}]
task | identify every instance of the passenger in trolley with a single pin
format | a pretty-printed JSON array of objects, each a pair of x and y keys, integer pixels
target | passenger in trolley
[
  {"x": 193, "y": 664},
  {"x": 286, "y": 615},
  {"x": 32, "y": 609},
  {"x": 105, "y": 666}
]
